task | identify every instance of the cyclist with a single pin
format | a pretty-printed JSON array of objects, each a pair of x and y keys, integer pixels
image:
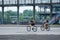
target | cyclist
[
  {"x": 45, "y": 24},
  {"x": 32, "y": 21}
]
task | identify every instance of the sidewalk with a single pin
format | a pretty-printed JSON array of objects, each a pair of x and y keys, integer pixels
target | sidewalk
[{"x": 23, "y": 31}]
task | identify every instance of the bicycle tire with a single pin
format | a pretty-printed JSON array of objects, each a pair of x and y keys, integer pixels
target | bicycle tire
[
  {"x": 28, "y": 28},
  {"x": 34, "y": 28},
  {"x": 48, "y": 28},
  {"x": 42, "y": 28}
]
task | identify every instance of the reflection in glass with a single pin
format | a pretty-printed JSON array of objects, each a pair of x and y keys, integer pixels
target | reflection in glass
[
  {"x": 10, "y": 1},
  {"x": 56, "y": 8},
  {"x": 41, "y": 14},
  {"x": 42, "y": 1},
  {"x": 55, "y": 1},
  {"x": 0, "y": 2},
  {"x": 25, "y": 13},
  {"x": 42, "y": 9},
  {"x": 25, "y": 1},
  {"x": 10, "y": 15},
  {"x": 47, "y": 10},
  {"x": 29, "y": 1},
  {"x": 45, "y": 1},
  {"x": 37, "y": 1}
]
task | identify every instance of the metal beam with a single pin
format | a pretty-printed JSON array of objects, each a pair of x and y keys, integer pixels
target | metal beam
[
  {"x": 51, "y": 8},
  {"x": 17, "y": 11},
  {"x": 34, "y": 9},
  {"x": 2, "y": 11}
]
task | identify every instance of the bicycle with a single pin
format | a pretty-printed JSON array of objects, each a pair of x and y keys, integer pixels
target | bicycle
[
  {"x": 34, "y": 28},
  {"x": 47, "y": 28}
]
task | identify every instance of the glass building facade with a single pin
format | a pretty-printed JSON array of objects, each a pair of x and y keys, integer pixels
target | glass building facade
[{"x": 20, "y": 11}]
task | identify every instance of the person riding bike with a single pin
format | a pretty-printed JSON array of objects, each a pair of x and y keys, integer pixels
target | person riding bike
[
  {"x": 45, "y": 24},
  {"x": 32, "y": 23}
]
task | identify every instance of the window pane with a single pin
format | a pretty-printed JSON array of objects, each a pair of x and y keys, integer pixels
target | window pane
[
  {"x": 55, "y": 14},
  {"x": 37, "y": 1},
  {"x": 25, "y": 1},
  {"x": 29, "y": 1},
  {"x": 0, "y": 2},
  {"x": 55, "y": 1},
  {"x": 44, "y": 9},
  {"x": 10, "y": 1},
  {"x": 45, "y": 1},
  {"x": 42, "y": 1},
  {"x": 56, "y": 8},
  {"x": 21, "y": 1},
  {"x": 10, "y": 15},
  {"x": 25, "y": 13}
]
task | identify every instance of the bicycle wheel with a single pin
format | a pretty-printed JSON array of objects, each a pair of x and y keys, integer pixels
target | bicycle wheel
[
  {"x": 48, "y": 28},
  {"x": 42, "y": 28},
  {"x": 34, "y": 28},
  {"x": 28, "y": 28}
]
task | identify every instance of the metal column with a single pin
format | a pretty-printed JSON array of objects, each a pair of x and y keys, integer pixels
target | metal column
[
  {"x": 17, "y": 11},
  {"x": 2, "y": 11},
  {"x": 51, "y": 8},
  {"x": 34, "y": 9}
]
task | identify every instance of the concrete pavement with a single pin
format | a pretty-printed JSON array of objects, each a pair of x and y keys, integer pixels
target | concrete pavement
[
  {"x": 23, "y": 30},
  {"x": 19, "y": 32},
  {"x": 29, "y": 37}
]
